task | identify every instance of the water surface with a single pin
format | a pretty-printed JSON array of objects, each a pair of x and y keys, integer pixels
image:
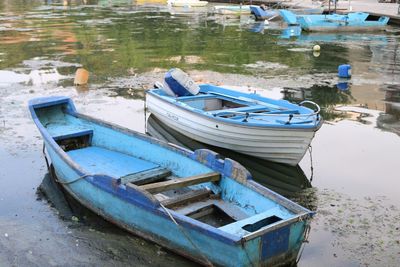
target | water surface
[{"x": 127, "y": 46}]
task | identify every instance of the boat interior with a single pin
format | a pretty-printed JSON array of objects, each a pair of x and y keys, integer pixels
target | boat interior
[
  {"x": 176, "y": 181},
  {"x": 235, "y": 108}
]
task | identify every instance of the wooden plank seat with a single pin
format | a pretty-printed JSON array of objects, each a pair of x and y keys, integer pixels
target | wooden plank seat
[
  {"x": 146, "y": 176},
  {"x": 230, "y": 209},
  {"x": 181, "y": 182},
  {"x": 185, "y": 198}
]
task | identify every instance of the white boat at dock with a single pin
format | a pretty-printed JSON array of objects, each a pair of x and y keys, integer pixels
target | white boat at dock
[{"x": 276, "y": 130}]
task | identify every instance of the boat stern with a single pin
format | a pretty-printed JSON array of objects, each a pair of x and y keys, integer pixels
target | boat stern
[{"x": 44, "y": 102}]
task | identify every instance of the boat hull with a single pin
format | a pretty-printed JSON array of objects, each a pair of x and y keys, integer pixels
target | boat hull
[
  {"x": 355, "y": 21},
  {"x": 275, "y": 144},
  {"x": 138, "y": 211},
  {"x": 339, "y": 28},
  {"x": 233, "y": 255}
]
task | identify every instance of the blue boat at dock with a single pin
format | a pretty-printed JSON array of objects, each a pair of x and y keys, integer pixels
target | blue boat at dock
[
  {"x": 263, "y": 14},
  {"x": 354, "y": 21},
  {"x": 193, "y": 203}
]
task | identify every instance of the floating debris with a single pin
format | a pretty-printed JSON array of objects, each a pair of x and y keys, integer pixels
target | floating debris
[{"x": 81, "y": 76}]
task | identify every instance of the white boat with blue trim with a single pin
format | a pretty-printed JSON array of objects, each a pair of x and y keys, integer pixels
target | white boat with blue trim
[
  {"x": 193, "y": 203},
  {"x": 275, "y": 130}
]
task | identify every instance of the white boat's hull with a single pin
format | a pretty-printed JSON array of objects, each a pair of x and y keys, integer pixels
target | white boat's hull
[{"x": 275, "y": 144}]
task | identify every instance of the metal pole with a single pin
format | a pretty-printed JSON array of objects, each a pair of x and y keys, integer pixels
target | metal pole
[{"x": 329, "y": 8}]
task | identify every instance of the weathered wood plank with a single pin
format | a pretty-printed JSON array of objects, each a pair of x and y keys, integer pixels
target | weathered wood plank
[
  {"x": 181, "y": 182},
  {"x": 192, "y": 196},
  {"x": 147, "y": 176}
]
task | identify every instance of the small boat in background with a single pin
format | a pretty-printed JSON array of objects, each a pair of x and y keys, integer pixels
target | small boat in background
[
  {"x": 354, "y": 21},
  {"x": 187, "y": 3},
  {"x": 276, "y": 130},
  {"x": 193, "y": 203},
  {"x": 232, "y": 9}
]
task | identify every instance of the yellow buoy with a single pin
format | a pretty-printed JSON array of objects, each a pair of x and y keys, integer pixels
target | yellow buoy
[
  {"x": 316, "y": 48},
  {"x": 81, "y": 76}
]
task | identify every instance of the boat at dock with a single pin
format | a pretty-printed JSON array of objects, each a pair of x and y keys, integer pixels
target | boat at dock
[
  {"x": 193, "y": 203},
  {"x": 187, "y": 3},
  {"x": 232, "y": 9},
  {"x": 276, "y": 130},
  {"x": 354, "y": 21}
]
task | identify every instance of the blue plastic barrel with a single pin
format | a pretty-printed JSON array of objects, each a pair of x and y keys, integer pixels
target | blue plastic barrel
[{"x": 344, "y": 71}]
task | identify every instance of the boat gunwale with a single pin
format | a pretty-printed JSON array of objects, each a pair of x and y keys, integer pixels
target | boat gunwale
[
  {"x": 299, "y": 213},
  {"x": 289, "y": 127}
]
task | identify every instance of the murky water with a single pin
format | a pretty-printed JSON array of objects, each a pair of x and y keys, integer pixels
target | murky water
[{"x": 127, "y": 46}]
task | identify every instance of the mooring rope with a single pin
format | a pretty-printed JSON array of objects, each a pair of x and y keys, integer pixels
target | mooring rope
[
  {"x": 312, "y": 164},
  {"x": 55, "y": 177},
  {"x": 45, "y": 157},
  {"x": 209, "y": 263},
  {"x": 247, "y": 254},
  {"x": 306, "y": 235}
]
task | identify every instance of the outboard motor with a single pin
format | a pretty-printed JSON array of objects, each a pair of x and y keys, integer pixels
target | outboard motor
[{"x": 178, "y": 83}]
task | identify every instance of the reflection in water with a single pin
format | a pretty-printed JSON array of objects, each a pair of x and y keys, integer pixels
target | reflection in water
[
  {"x": 35, "y": 77},
  {"x": 286, "y": 180},
  {"x": 328, "y": 97},
  {"x": 390, "y": 120},
  {"x": 291, "y": 31},
  {"x": 100, "y": 241}
]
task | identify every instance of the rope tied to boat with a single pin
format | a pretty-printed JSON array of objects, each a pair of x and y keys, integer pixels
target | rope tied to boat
[
  {"x": 45, "y": 157},
  {"x": 247, "y": 254},
  {"x": 55, "y": 176},
  {"x": 209, "y": 263},
  {"x": 307, "y": 231},
  {"x": 311, "y": 163}
]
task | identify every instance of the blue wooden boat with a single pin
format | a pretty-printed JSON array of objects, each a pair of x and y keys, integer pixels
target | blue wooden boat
[
  {"x": 193, "y": 203},
  {"x": 261, "y": 14},
  {"x": 334, "y": 22}
]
